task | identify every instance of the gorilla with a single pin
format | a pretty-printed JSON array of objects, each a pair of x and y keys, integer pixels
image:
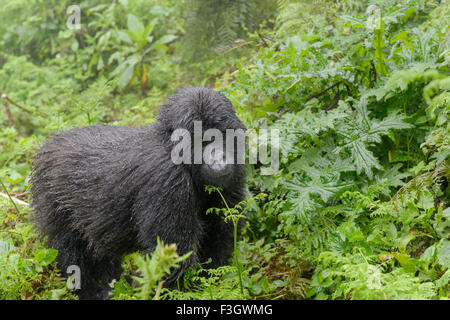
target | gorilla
[{"x": 100, "y": 192}]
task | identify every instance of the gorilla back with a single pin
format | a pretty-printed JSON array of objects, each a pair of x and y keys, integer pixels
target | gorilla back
[{"x": 100, "y": 192}]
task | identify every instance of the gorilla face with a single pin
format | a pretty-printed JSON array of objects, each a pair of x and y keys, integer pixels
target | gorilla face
[
  {"x": 219, "y": 167},
  {"x": 216, "y": 163}
]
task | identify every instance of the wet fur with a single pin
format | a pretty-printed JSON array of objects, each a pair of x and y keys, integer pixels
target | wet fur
[{"x": 100, "y": 192}]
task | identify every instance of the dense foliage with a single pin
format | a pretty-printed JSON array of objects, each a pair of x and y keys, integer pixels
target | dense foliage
[{"x": 359, "y": 91}]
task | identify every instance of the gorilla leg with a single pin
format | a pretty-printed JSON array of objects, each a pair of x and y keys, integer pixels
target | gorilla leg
[
  {"x": 96, "y": 274},
  {"x": 218, "y": 241}
]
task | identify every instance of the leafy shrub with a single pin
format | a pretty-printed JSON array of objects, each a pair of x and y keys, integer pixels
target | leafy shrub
[{"x": 359, "y": 91}]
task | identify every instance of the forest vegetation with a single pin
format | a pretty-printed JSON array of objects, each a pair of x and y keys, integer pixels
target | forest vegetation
[{"x": 359, "y": 91}]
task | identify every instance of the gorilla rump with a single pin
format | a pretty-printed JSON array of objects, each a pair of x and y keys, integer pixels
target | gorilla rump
[{"x": 100, "y": 192}]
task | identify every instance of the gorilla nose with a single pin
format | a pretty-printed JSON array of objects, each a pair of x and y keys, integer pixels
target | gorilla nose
[{"x": 218, "y": 160}]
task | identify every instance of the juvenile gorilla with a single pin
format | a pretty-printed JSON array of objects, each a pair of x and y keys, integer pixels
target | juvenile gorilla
[{"x": 100, "y": 192}]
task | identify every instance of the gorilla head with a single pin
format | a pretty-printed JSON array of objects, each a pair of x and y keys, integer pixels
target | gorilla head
[{"x": 212, "y": 135}]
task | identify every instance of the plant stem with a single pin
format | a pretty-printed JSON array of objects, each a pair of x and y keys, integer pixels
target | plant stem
[
  {"x": 235, "y": 226},
  {"x": 239, "y": 267},
  {"x": 10, "y": 198}
]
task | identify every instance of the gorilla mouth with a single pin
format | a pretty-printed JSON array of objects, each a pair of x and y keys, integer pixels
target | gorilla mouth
[{"x": 218, "y": 161}]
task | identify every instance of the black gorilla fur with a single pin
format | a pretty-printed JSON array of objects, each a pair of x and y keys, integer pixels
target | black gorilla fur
[{"x": 100, "y": 192}]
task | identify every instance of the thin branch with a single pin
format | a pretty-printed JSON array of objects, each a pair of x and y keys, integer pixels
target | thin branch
[
  {"x": 375, "y": 75},
  {"x": 9, "y": 113},
  {"x": 8, "y": 196},
  {"x": 14, "y": 199},
  {"x": 334, "y": 103},
  {"x": 349, "y": 92},
  {"x": 318, "y": 94},
  {"x": 32, "y": 111},
  {"x": 262, "y": 39},
  {"x": 241, "y": 44}
]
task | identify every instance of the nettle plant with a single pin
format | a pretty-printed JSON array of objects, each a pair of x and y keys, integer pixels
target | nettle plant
[
  {"x": 233, "y": 215},
  {"x": 147, "y": 273},
  {"x": 359, "y": 102}
]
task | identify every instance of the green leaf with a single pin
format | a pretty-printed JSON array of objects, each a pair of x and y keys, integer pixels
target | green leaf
[
  {"x": 134, "y": 24},
  {"x": 363, "y": 159},
  {"x": 123, "y": 36},
  {"x": 126, "y": 76},
  {"x": 158, "y": 44},
  {"x": 443, "y": 253},
  {"x": 45, "y": 256},
  {"x": 5, "y": 247}
]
